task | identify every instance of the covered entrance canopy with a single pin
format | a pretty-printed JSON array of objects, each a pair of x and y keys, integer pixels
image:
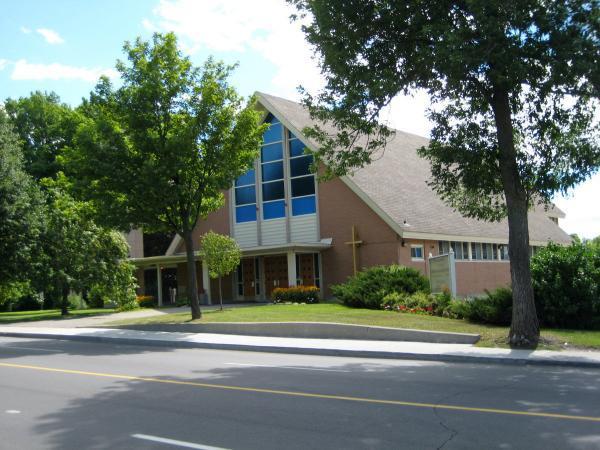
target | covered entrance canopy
[{"x": 261, "y": 270}]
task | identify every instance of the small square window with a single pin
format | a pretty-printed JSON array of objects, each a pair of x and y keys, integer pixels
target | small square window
[{"x": 416, "y": 251}]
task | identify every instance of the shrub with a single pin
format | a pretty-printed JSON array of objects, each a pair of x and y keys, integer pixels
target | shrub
[
  {"x": 296, "y": 294},
  {"x": 76, "y": 301},
  {"x": 146, "y": 301},
  {"x": 566, "y": 283},
  {"x": 368, "y": 288},
  {"x": 494, "y": 308}
]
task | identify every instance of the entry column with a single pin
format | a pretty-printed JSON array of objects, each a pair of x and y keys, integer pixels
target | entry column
[{"x": 291, "y": 268}]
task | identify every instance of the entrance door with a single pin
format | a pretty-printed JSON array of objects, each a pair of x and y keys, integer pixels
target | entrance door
[
  {"x": 306, "y": 269},
  {"x": 276, "y": 273},
  {"x": 249, "y": 277}
]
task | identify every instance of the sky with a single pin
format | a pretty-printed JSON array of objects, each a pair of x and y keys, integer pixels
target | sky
[{"x": 65, "y": 45}]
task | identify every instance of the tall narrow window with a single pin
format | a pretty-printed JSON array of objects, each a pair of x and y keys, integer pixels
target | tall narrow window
[
  {"x": 302, "y": 181},
  {"x": 245, "y": 198},
  {"x": 271, "y": 158}
]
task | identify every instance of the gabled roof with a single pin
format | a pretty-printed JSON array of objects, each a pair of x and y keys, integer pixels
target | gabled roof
[{"x": 395, "y": 186}]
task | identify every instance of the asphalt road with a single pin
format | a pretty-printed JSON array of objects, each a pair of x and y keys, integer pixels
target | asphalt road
[{"x": 70, "y": 395}]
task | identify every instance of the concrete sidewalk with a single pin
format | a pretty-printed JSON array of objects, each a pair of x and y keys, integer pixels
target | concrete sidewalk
[{"x": 330, "y": 347}]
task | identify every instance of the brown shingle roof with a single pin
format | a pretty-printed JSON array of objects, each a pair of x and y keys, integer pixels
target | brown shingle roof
[{"x": 396, "y": 181}]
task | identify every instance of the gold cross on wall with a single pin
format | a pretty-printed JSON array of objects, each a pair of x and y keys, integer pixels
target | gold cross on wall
[{"x": 354, "y": 243}]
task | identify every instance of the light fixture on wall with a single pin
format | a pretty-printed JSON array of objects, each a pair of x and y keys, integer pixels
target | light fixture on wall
[{"x": 405, "y": 224}]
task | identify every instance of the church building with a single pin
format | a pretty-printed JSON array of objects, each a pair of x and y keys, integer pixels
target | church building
[{"x": 294, "y": 230}]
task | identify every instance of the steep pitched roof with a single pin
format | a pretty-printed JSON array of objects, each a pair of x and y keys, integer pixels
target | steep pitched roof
[{"x": 396, "y": 185}]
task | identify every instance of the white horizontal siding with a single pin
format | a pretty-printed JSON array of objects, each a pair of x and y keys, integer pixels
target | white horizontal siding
[
  {"x": 273, "y": 232},
  {"x": 304, "y": 228},
  {"x": 246, "y": 234}
]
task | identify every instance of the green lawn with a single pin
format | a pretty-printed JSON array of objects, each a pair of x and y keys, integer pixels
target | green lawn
[
  {"x": 48, "y": 314},
  {"x": 491, "y": 336}
]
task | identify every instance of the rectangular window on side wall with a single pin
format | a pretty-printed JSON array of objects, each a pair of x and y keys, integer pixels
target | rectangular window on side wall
[{"x": 416, "y": 252}]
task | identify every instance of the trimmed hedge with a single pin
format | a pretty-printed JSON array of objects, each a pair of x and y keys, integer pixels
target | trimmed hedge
[
  {"x": 370, "y": 286},
  {"x": 296, "y": 294},
  {"x": 146, "y": 301}
]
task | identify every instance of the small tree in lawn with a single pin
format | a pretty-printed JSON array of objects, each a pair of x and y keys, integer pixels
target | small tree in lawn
[
  {"x": 157, "y": 152},
  {"x": 221, "y": 254}
]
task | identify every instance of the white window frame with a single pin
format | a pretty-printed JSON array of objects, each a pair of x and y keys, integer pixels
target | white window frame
[{"x": 414, "y": 258}]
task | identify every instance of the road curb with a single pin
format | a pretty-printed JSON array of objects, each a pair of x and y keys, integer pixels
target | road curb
[{"x": 443, "y": 357}]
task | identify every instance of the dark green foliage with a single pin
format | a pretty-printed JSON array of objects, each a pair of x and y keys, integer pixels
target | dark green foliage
[
  {"x": 22, "y": 211},
  {"x": 494, "y": 308},
  {"x": 45, "y": 127},
  {"x": 566, "y": 282},
  {"x": 370, "y": 286}
]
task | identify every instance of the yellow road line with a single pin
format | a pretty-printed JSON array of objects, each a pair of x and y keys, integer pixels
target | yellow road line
[{"x": 306, "y": 394}]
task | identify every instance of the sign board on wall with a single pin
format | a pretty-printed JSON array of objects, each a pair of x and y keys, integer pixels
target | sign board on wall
[{"x": 442, "y": 273}]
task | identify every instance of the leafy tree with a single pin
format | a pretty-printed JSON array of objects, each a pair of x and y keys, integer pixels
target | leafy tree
[
  {"x": 45, "y": 127},
  {"x": 514, "y": 87},
  {"x": 79, "y": 255},
  {"x": 21, "y": 211},
  {"x": 221, "y": 254},
  {"x": 157, "y": 152}
]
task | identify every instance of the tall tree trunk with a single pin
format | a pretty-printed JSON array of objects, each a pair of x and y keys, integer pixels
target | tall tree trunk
[
  {"x": 221, "y": 293},
  {"x": 524, "y": 328},
  {"x": 64, "y": 303},
  {"x": 191, "y": 275}
]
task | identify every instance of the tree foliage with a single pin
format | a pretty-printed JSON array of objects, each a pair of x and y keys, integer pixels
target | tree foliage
[
  {"x": 157, "y": 152},
  {"x": 80, "y": 255},
  {"x": 221, "y": 254},
  {"x": 45, "y": 127},
  {"x": 514, "y": 85},
  {"x": 21, "y": 211}
]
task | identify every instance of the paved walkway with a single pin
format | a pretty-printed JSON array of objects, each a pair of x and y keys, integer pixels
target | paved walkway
[
  {"x": 332, "y": 347},
  {"x": 103, "y": 319}
]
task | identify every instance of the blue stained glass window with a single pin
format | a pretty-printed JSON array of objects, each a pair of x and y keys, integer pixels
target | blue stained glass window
[
  {"x": 271, "y": 152},
  {"x": 303, "y": 186},
  {"x": 247, "y": 178},
  {"x": 245, "y": 195},
  {"x": 273, "y": 191},
  {"x": 300, "y": 166},
  {"x": 274, "y": 210},
  {"x": 296, "y": 147},
  {"x": 273, "y": 133},
  {"x": 245, "y": 213},
  {"x": 272, "y": 171},
  {"x": 304, "y": 205}
]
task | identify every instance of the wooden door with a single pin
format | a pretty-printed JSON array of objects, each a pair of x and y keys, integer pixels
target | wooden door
[
  {"x": 306, "y": 269},
  {"x": 276, "y": 273},
  {"x": 249, "y": 277}
]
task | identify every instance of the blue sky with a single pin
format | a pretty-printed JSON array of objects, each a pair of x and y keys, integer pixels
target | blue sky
[{"x": 65, "y": 45}]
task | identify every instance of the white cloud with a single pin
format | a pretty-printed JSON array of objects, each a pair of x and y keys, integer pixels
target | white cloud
[
  {"x": 240, "y": 26},
  {"x": 51, "y": 36},
  {"x": 582, "y": 217},
  {"x": 264, "y": 27},
  {"x": 27, "y": 71},
  {"x": 25, "y": 30},
  {"x": 3, "y": 63}
]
